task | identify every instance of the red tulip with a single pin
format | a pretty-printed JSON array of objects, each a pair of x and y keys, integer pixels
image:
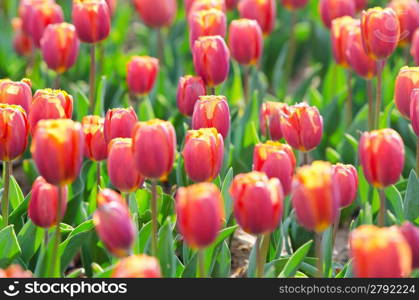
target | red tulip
[
  {"x": 414, "y": 111},
  {"x": 408, "y": 14},
  {"x": 197, "y": 5},
  {"x": 270, "y": 116},
  {"x": 339, "y": 34},
  {"x": 119, "y": 122},
  {"x": 190, "y": 88},
  {"x": 137, "y": 266},
  {"x": 206, "y": 23},
  {"x": 263, "y": 11},
  {"x": 414, "y": 49},
  {"x": 411, "y": 235},
  {"x": 22, "y": 43},
  {"x": 95, "y": 147},
  {"x": 15, "y": 271},
  {"x": 156, "y": 13},
  {"x": 25, "y": 9},
  {"x": 406, "y": 81},
  {"x": 16, "y": 92},
  {"x": 141, "y": 74},
  {"x": 332, "y": 9},
  {"x": 346, "y": 177},
  {"x": 294, "y": 4}
]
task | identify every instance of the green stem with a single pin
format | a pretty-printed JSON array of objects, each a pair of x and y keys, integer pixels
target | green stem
[
  {"x": 379, "y": 93},
  {"x": 348, "y": 110},
  {"x": 336, "y": 228},
  {"x": 262, "y": 244},
  {"x": 306, "y": 158},
  {"x": 92, "y": 77},
  {"x": 318, "y": 242},
  {"x": 7, "y": 166},
  {"x": 291, "y": 52},
  {"x": 382, "y": 212},
  {"x": 160, "y": 46},
  {"x": 210, "y": 90},
  {"x": 201, "y": 264},
  {"x": 57, "y": 81},
  {"x": 55, "y": 256},
  {"x": 371, "y": 112},
  {"x": 154, "y": 217},
  {"x": 98, "y": 170}
]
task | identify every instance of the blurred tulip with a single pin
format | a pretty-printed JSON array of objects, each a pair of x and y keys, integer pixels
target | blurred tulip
[
  {"x": 231, "y": 4},
  {"x": 332, "y": 9},
  {"x": 200, "y": 213},
  {"x": 22, "y": 43},
  {"x": 315, "y": 196},
  {"x": 107, "y": 196},
  {"x": 43, "y": 203},
  {"x": 212, "y": 111},
  {"x": 294, "y": 4},
  {"x": 302, "y": 127},
  {"x": 15, "y": 271},
  {"x": 408, "y": 14},
  {"x": 112, "y": 6},
  {"x": 121, "y": 169},
  {"x": 207, "y": 23},
  {"x": 197, "y": 5},
  {"x": 14, "y": 129},
  {"x": 360, "y": 4},
  {"x": 380, "y": 30},
  {"x": 154, "y": 148},
  {"x": 156, "y": 13},
  {"x": 25, "y": 9},
  {"x": 381, "y": 154},
  {"x": 119, "y": 122},
  {"x": 60, "y": 46},
  {"x": 57, "y": 149},
  {"x": 141, "y": 74},
  {"x": 406, "y": 81},
  {"x": 211, "y": 59},
  {"x": 346, "y": 177},
  {"x": 411, "y": 235},
  {"x": 92, "y": 20},
  {"x": 95, "y": 147},
  {"x": 203, "y": 154},
  {"x": 245, "y": 41},
  {"x": 414, "y": 49},
  {"x": 16, "y": 92},
  {"x": 270, "y": 116},
  {"x": 263, "y": 11},
  {"x": 339, "y": 34},
  {"x": 379, "y": 252},
  {"x": 414, "y": 111},
  {"x": 190, "y": 88},
  {"x": 137, "y": 266}
]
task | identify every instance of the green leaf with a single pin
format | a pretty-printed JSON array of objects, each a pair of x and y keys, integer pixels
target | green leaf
[
  {"x": 411, "y": 199},
  {"x": 166, "y": 252},
  {"x": 228, "y": 205},
  {"x": 100, "y": 99},
  {"x": 327, "y": 252},
  {"x": 15, "y": 195},
  {"x": 295, "y": 260},
  {"x": 145, "y": 109},
  {"x": 9, "y": 246},
  {"x": 30, "y": 239},
  {"x": 395, "y": 199}
]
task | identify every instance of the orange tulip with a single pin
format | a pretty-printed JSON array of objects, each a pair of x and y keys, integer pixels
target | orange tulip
[
  {"x": 16, "y": 92},
  {"x": 270, "y": 118},
  {"x": 137, "y": 266},
  {"x": 263, "y": 11},
  {"x": 156, "y": 13},
  {"x": 406, "y": 81},
  {"x": 332, "y": 9},
  {"x": 141, "y": 74},
  {"x": 408, "y": 14},
  {"x": 119, "y": 122},
  {"x": 206, "y": 23},
  {"x": 190, "y": 88},
  {"x": 95, "y": 147},
  {"x": 15, "y": 271},
  {"x": 341, "y": 28}
]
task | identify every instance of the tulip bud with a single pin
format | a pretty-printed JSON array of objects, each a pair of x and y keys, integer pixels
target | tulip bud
[
  {"x": 294, "y": 4},
  {"x": 14, "y": 130},
  {"x": 95, "y": 147},
  {"x": 197, "y": 5},
  {"x": 154, "y": 147},
  {"x": 339, "y": 34},
  {"x": 212, "y": 111},
  {"x": 200, "y": 213},
  {"x": 379, "y": 252},
  {"x": 141, "y": 74},
  {"x": 263, "y": 11},
  {"x": 92, "y": 20},
  {"x": 381, "y": 154},
  {"x": 414, "y": 111},
  {"x": 302, "y": 127},
  {"x": 276, "y": 160},
  {"x": 270, "y": 116},
  {"x": 156, "y": 13},
  {"x": 60, "y": 46},
  {"x": 43, "y": 204},
  {"x": 207, "y": 23},
  {"x": 57, "y": 149},
  {"x": 203, "y": 154},
  {"x": 107, "y": 196},
  {"x": 119, "y": 122},
  {"x": 114, "y": 226},
  {"x": 407, "y": 12},
  {"x": 190, "y": 88},
  {"x": 16, "y": 92},
  {"x": 15, "y": 271},
  {"x": 211, "y": 59},
  {"x": 245, "y": 41},
  {"x": 137, "y": 266},
  {"x": 414, "y": 49},
  {"x": 411, "y": 235},
  {"x": 258, "y": 202},
  {"x": 25, "y": 9},
  {"x": 406, "y": 81},
  {"x": 360, "y": 4},
  {"x": 380, "y": 30},
  {"x": 121, "y": 169},
  {"x": 332, "y": 9},
  {"x": 22, "y": 43},
  {"x": 231, "y": 4},
  {"x": 315, "y": 196},
  {"x": 50, "y": 104},
  {"x": 346, "y": 177}
]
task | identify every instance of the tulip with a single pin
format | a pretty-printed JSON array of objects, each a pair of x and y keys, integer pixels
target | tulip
[
  {"x": 112, "y": 6},
  {"x": 190, "y": 88},
  {"x": 203, "y": 154},
  {"x": 60, "y": 46},
  {"x": 22, "y": 43},
  {"x": 411, "y": 235},
  {"x": 414, "y": 111},
  {"x": 16, "y": 92},
  {"x": 294, "y": 4},
  {"x": 15, "y": 271},
  {"x": 211, "y": 59},
  {"x": 141, "y": 74},
  {"x": 379, "y": 252},
  {"x": 263, "y": 11},
  {"x": 414, "y": 49},
  {"x": 332, "y": 9},
  {"x": 43, "y": 204},
  {"x": 122, "y": 172},
  {"x": 346, "y": 177},
  {"x": 407, "y": 12},
  {"x": 231, "y": 4},
  {"x": 119, "y": 122},
  {"x": 207, "y": 23},
  {"x": 270, "y": 118},
  {"x": 197, "y": 5},
  {"x": 212, "y": 111},
  {"x": 107, "y": 196},
  {"x": 245, "y": 41},
  {"x": 340, "y": 30},
  {"x": 95, "y": 147},
  {"x": 360, "y": 4},
  {"x": 406, "y": 81},
  {"x": 137, "y": 266},
  {"x": 156, "y": 13}
]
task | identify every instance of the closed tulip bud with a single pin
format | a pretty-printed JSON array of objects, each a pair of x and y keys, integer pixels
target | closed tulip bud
[
  {"x": 22, "y": 43},
  {"x": 154, "y": 147},
  {"x": 332, "y": 9},
  {"x": 203, "y": 154},
  {"x": 95, "y": 147},
  {"x": 346, "y": 177},
  {"x": 302, "y": 127},
  {"x": 360, "y": 4},
  {"x": 50, "y": 104},
  {"x": 245, "y": 41},
  {"x": 25, "y": 9},
  {"x": 121, "y": 169},
  {"x": 206, "y": 23},
  {"x": 408, "y": 14},
  {"x": 315, "y": 196},
  {"x": 119, "y": 122},
  {"x": 294, "y": 4},
  {"x": 137, "y": 266},
  {"x": 270, "y": 118},
  {"x": 156, "y": 13},
  {"x": 381, "y": 154},
  {"x": 212, "y": 111},
  {"x": 276, "y": 160},
  {"x": 200, "y": 213},
  {"x": 263, "y": 11},
  {"x": 339, "y": 34},
  {"x": 197, "y": 5},
  {"x": 92, "y": 20},
  {"x": 16, "y": 92},
  {"x": 190, "y": 88},
  {"x": 380, "y": 30},
  {"x": 406, "y": 81},
  {"x": 414, "y": 49},
  {"x": 379, "y": 252},
  {"x": 141, "y": 74},
  {"x": 411, "y": 235},
  {"x": 60, "y": 46},
  {"x": 231, "y": 4},
  {"x": 414, "y": 111},
  {"x": 14, "y": 129},
  {"x": 211, "y": 59},
  {"x": 57, "y": 149},
  {"x": 15, "y": 271},
  {"x": 43, "y": 204}
]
